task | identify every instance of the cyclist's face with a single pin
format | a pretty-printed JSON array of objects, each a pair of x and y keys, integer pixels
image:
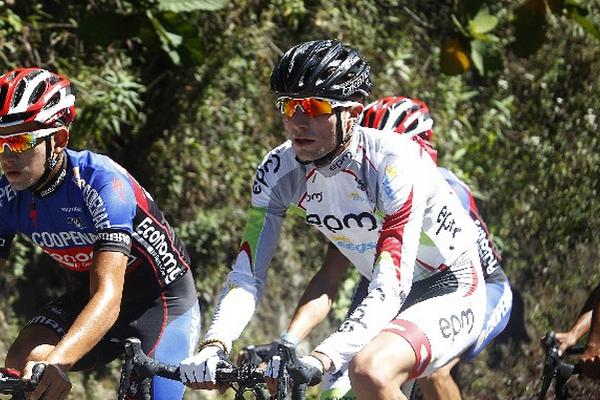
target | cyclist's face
[
  {"x": 22, "y": 170},
  {"x": 312, "y": 137}
]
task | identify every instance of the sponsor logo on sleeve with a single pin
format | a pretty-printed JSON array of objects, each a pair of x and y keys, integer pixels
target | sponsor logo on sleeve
[
  {"x": 115, "y": 237},
  {"x": 271, "y": 165},
  {"x": 157, "y": 243},
  {"x": 76, "y": 259}
]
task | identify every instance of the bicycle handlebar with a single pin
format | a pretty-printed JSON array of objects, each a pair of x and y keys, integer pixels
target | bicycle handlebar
[
  {"x": 12, "y": 384},
  {"x": 147, "y": 367},
  {"x": 243, "y": 378},
  {"x": 554, "y": 367}
]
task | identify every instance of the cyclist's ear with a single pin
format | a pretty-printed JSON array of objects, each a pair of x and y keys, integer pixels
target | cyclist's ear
[
  {"x": 61, "y": 139},
  {"x": 356, "y": 110}
]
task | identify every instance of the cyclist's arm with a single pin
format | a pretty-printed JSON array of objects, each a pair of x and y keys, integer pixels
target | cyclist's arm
[
  {"x": 582, "y": 325},
  {"x": 593, "y": 305},
  {"x": 277, "y": 181},
  {"x": 319, "y": 294},
  {"x": 107, "y": 275},
  {"x": 246, "y": 281},
  {"x": 590, "y": 359}
]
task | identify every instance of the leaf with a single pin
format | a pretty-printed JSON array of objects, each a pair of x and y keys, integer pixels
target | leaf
[
  {"x": 14, "y": 20},
  {"x": 486, "y": 57},
  {"x": 476, "y": 55},
  {"x": 190, "y": 5},
  {"x": 482, "y": 23},
  {"x": 585, "y": 23},
  {"x": 169, "y": 41}
]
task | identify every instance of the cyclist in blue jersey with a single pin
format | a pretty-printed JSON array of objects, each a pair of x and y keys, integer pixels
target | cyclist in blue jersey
[
  {"x": 95, "y": 220},
  {"x": 382, "y": 202}
]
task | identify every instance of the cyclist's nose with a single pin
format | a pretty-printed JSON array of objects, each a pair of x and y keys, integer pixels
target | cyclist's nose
[
  {"x": 299, "y": 120},
  {"x": 7, "y": 156}
]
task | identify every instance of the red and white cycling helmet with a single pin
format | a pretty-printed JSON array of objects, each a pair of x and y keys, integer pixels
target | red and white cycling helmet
[
  {"x": 403, "y": 115},
  {"x": 35, "y": 94},
  {"x": 400, "y": 114}
]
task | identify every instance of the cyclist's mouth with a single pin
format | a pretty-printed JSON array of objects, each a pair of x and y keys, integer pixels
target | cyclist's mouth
[
  {"x": 12, "y": 174},
  {"x": 300, "y": 142}
]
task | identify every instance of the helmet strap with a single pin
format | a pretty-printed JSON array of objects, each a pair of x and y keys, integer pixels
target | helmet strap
[
  {"x": 341, "y": 139},
  {"x": 49, "y": 165}
]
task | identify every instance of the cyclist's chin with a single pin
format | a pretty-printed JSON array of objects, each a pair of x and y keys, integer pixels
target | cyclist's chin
[
  {"x": 308, "y": 156},
  {"x": 19, "y": 182}
]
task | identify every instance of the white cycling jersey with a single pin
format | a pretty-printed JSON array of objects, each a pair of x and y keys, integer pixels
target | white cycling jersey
[{"x": 383, "y": 203}]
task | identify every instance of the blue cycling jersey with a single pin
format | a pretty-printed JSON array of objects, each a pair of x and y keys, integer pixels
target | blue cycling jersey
[
  {"x": 90, "y": 205},
  {"x": 93, "y": 204}
]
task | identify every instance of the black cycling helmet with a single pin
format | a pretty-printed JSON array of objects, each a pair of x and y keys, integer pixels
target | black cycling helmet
[{"x": 322, "y": 68}]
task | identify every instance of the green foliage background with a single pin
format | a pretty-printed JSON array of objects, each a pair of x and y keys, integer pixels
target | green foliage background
[{"x": 178, "y": 93}]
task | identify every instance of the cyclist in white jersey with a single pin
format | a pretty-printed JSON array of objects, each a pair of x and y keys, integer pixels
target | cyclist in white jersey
[
  {"x": 410, "y": 117},
  {"x": 380, "y": 195}
]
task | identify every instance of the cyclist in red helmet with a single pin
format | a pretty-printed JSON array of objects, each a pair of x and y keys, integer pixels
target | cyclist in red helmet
[
  {"x": 411, "y": 117},
  {"x": 131, "y": 273}
]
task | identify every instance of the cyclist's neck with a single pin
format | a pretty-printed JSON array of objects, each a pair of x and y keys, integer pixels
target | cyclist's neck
[{"x": 54, "y": 179}]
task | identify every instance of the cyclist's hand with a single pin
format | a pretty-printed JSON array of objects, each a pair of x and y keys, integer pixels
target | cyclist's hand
[
  {"x": 309, "y": 370},
  {"x": 200, "y": 371},
  {"x": 54, "y": 384},
  {"x": 565, "y": 340},
  {"x": 589, "y": 363}
]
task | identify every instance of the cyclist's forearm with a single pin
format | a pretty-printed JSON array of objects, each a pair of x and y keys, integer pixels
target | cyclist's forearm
[
  {"x": 312, "y": 309},
  {"x": 107, "y": 277},
  {"x": 96, "y": 318},
  {"x": 594, "y": 337},
  {"x": 584, "y": 321},
  {"x": 232, "y": 314},
  {"x": 582, "y": 325},
  {"x": 319, "y": 294}
]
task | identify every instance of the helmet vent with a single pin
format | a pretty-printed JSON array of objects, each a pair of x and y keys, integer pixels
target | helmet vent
[
  {"x": 37, "y": 92},
  {"x": 16, "y": 117},
  {"x": 53, "y": 101},
  {"x": 400, "y": 119},
  {"x": 19, "y": 93},
  {"x": 3, "y": 91}
]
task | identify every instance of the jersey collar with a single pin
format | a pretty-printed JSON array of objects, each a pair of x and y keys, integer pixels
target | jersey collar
[
  {"x": 53, "y": 185},
  {"x": 342, "y": 160}
]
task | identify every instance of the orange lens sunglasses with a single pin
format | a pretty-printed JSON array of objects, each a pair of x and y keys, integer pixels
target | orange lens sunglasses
[
  {"x": 23, "y": 141},
  {"x": 311, "y": 106}
]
